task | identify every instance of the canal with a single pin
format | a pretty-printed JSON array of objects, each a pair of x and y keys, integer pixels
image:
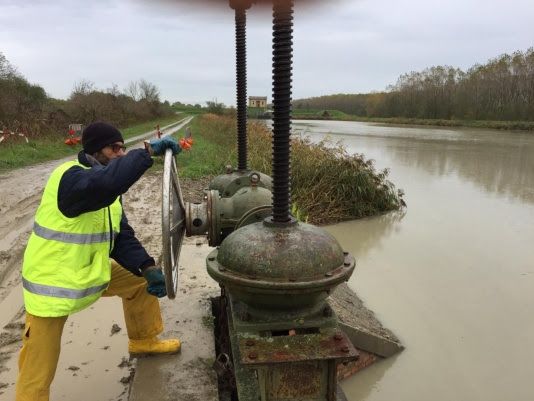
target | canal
[{"x": 452, "y": 275}]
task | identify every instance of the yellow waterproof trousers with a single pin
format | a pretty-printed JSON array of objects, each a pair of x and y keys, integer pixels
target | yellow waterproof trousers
[{"x": 41, "y": 341}]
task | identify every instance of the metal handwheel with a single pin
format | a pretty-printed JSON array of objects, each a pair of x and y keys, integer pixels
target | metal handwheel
[{"x": 172, "y": 224}]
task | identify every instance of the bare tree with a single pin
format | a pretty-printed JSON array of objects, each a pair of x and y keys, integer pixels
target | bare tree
[
  {"x": 6, "y": 69},
  {"x": 148, "y": 91},
  {"x": 113, "y": 90},
  {"x": 132, "y": 90},
  {"x": 83, "y": 87}
]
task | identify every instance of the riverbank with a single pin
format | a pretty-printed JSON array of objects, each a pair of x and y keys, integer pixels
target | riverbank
[
  {"x": 328, "y": 183},
  {"x": 335, "y": 115}
]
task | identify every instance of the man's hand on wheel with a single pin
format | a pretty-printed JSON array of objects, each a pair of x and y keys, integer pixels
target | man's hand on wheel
[
  {"x": 159, "y": 146},
  {"x": 156, "y": 281}
]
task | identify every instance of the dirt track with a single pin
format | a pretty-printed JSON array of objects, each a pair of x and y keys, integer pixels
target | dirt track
[{"x": 89, "y": 351}]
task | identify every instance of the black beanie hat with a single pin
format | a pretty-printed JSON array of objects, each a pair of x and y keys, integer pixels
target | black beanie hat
[{"x": 97, "y": 136}]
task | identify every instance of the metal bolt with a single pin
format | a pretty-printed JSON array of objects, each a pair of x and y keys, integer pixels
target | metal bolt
[
  {"x": 329, "y": 274},
  {"x": 252, "y": 355},
  {"x": 338, "y": 337},
  {"x": 250, "y": 343},
  {"x": 254, "y": 179},
  {"x": 346, "y": 264}
]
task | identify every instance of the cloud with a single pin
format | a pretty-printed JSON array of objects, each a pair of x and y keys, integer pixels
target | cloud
[{"x": 188, "y": 52}]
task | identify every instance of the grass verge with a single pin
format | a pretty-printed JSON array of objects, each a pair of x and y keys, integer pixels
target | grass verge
[{"x": 207, "y": 157}]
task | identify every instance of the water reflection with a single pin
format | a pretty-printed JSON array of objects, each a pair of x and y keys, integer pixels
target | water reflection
[
  {"x": 503, "y": 169},
  {"x": 497, "y": 162},
  {"x": 369, "y": 234},
  {"x": 369, "y": 378}
]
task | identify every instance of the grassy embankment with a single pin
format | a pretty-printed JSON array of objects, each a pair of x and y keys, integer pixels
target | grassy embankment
[
  {"x": 328, "y": 184},
  {"x": 16, "y": 152},
  {"x": 301, "y": 114},
  {"x": 190, "y": 110}
]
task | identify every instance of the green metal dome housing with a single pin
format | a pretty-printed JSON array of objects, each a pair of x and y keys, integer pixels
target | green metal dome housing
[
  {"x": 228, "y": 184},
  {"x": 298, "y": 263}
]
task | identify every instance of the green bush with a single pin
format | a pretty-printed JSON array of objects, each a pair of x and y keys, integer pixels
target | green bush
[{"x": 328, "y": 184}]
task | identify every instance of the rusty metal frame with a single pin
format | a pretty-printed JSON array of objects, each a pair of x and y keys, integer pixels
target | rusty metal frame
[{"x": 329, "y": 343}]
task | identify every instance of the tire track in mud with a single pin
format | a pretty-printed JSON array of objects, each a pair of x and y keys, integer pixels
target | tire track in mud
[{"x": 21, "y": 193}]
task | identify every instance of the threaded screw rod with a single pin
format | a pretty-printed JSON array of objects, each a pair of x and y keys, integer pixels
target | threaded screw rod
[
  {"x": 282, "y": 71},
  {"x": 241, "y": 80}
]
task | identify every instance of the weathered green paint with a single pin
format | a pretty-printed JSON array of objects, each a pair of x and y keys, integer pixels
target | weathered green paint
[
  {"x": 248, "y": 388},
  {"x": 231, "y": 209},
  {"x": 279, "y": 267},
  {"x": 250, "y": 319},
  {"x": 228, "y": 184},
  {"x": 300, "y": 252},
  {"x": 277, "y": 278},
  {"x": 310, "y": 379}
]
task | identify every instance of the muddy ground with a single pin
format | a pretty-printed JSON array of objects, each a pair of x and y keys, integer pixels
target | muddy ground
[{"x": 94, "y": 362}]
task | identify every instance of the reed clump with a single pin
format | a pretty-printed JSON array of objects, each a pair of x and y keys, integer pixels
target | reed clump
[{"x": 327, "y": 183}]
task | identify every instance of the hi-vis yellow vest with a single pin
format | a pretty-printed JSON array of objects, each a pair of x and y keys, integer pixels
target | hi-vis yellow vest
[{"x": 66, "y": 263}]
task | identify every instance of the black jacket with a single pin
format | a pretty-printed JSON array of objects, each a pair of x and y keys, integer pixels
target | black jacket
[{"x": 86, "y": 190}]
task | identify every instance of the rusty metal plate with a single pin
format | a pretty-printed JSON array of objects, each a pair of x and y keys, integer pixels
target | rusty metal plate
[
  {"x": 297, "y": 380},
  {"x": 328, "y": 344}
]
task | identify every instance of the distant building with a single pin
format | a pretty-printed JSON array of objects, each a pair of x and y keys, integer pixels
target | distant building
[{"x": 257, "y": 101}]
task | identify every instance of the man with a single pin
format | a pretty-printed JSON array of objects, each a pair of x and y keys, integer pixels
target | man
[{"x": 81, "y": 248}]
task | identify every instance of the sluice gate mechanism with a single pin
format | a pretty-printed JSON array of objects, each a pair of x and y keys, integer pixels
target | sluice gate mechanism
[{"x": 278, "y": 337}]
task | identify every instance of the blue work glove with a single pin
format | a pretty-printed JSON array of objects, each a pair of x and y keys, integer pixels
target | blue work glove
[
  {"x": 160, "y": 145},
  {"x": 156, "y": 281}
]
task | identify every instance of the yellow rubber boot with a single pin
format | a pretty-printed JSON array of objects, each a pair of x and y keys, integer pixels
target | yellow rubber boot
[{"x": 153, "y": 346}]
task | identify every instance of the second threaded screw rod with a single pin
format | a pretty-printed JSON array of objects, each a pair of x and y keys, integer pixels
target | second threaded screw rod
[
  {"x": 240, "y": 8},
  {"x": 282, "y": 73}
]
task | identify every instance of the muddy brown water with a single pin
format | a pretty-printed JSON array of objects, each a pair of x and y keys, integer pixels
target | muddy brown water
[{"x": 452, "y": 276}]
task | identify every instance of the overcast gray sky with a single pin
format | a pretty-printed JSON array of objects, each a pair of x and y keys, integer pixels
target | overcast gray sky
[{"x": 351, "y": 46}]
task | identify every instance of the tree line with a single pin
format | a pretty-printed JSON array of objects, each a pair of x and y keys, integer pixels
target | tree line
[
  {"x": 501, "y": 89},
  {"x": 26, "y": 107}
]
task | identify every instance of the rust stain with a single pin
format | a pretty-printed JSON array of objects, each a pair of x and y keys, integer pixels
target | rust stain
[
  {"x": 282, "y": 356},
  {"x": 296, "y": 381}
]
